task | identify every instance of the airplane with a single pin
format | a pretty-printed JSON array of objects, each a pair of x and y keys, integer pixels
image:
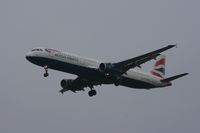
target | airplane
[{"x": 91, "y": 72}]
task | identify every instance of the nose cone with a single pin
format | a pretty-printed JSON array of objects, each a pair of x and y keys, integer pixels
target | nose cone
[{"x": 29, "y": 56}]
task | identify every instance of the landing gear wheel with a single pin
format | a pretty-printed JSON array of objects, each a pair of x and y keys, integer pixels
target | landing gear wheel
[
  {"x": 92, "y": 93},
  {"x": 116, "y": 84},
  {"x": 46, "y": 74}
]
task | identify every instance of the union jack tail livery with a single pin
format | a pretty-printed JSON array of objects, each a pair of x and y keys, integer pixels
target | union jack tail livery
[{"x": 159, "y": 67}]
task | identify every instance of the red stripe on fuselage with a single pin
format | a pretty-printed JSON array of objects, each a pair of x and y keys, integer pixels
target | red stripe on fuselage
[{"x": 51, "y": 50}]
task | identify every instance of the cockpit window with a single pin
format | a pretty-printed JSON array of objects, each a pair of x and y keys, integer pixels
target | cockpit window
[{"x": 36, "y": 50}]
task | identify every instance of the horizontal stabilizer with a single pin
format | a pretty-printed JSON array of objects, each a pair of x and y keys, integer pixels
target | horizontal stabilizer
[{"x": 174, "y": 77}]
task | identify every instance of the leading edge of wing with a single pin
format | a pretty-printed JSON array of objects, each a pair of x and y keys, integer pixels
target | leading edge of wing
[{"x": 137, "y": 61}]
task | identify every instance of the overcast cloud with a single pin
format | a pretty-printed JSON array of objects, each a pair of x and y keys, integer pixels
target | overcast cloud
[{"x": 109, "y": 30}]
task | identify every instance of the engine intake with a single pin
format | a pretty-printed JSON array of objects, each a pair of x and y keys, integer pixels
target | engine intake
[
  {"x": 106, "y": 67},
  {"x": 66, "y": 83}
]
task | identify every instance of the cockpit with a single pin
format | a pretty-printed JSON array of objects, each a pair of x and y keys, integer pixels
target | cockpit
[{"x": 36, "y": 49}]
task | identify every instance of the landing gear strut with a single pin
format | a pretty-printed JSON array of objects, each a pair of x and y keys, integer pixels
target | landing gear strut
[{"x": 46, "y": 74}]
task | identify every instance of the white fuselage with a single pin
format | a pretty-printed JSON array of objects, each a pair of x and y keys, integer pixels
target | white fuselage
[{"x": 131, "y": 76}]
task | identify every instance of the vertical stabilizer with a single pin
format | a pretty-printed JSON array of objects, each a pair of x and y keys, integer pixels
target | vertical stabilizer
[{"x": 159, "y": 67}]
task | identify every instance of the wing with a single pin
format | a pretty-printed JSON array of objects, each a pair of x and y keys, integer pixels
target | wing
[{"x": 137, "y": 61}]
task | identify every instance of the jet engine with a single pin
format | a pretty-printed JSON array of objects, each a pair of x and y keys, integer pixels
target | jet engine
[
  {"x": 70, "y": 84},
  {"x": 66, "y": 83},
  {"x": 106, "y": 67}
]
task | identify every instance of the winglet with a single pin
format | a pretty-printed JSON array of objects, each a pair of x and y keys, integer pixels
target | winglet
[
  {"x": 171, "y": 46},
  {"x": 174, "y": 77}
]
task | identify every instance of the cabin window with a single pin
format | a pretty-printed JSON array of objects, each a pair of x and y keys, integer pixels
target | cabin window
[{"x": 36, "y": 50}]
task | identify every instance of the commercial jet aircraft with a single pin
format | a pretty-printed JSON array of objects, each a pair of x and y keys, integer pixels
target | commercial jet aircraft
[{"x": 91, "y": 73}]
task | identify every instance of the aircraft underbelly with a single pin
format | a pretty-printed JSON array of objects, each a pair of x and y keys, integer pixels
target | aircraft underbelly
[
  {"x": 137, "y": 84},
  {"x": 87, "y": 72},
  {"x": 64, "y": 67}
]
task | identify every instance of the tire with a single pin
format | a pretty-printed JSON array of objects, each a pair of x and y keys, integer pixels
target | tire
[
  {"x": 92, "y": 93},
  {"x": 46, "y": 74}
]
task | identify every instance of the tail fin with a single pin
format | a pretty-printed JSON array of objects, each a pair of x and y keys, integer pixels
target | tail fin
[{"x": 159, "y": 67}]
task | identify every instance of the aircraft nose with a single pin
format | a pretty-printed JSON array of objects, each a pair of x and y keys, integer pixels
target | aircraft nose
[{"x": 28, "y": 56}]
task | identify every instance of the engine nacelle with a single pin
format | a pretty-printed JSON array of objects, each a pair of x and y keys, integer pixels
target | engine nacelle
[
  {"x": 66, "y": 83},
  {"x": 106, "y": 67},
  {"x": 70, "y": 84}
]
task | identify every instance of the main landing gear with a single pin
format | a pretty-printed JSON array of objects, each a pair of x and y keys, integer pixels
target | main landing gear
[
  {"x": 46, "y": 74},
  {"x": 92, "y": 92}
]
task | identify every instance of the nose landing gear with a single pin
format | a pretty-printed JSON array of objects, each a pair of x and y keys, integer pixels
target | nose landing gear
[{"x": 46, "y": 74}]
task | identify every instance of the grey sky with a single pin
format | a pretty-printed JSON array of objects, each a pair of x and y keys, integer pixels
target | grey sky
[{"x": 110, "y": 30}]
